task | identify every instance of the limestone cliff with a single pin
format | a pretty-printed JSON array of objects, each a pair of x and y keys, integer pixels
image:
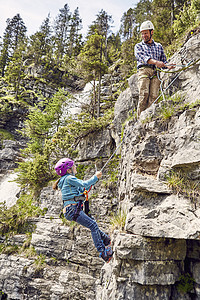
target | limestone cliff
[{"x": 157, "y": 256}]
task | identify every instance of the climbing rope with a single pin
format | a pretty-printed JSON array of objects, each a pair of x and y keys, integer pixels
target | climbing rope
[
  {"x": 184, "y": 67},
  {"x": 180, "y": 72},
  {"x": 124, "y": 137}
]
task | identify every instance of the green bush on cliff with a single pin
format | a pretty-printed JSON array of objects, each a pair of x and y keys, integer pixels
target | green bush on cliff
[
  {"x": 118, "y": 220},
  {"x": 39, "y": 170},
  {"x": 35, "y": 174},
  {"x": 187, "y": 18},
  {"x": 180, "y": 181},
  {"x": 15, "y": 220}
]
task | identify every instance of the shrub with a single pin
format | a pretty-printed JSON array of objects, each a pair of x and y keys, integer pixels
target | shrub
[
  {"x": 118, "y": 221},
  {"x": 15, "y": 220}
]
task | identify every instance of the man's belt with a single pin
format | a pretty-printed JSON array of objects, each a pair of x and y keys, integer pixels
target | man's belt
[{"x": 147, "y": 66}]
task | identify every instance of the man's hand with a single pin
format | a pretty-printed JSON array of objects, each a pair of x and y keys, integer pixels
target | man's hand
[
  {"x": 160, "y": 64},
  {"x": 172, "y": 66}
]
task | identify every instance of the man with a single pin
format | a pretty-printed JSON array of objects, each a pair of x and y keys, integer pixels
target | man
[{"x": 150, "y": 55}]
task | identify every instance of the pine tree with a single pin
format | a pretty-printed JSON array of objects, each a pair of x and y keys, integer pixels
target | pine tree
[
  {"x": 61, "y": 33},
  {"x": 75, "y": 37},
  {"x": 101, "y": 27},
  {"x": 41, "y": 43},
  {"x": 92, "y": 66},
  {"x": 14, "y": 73},
  {"x": 127, "y": 23},
  {"x": 14, "y": 34}
]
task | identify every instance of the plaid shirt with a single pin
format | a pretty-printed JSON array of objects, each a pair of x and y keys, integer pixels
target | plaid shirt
[{"x": 143, "y": 52}]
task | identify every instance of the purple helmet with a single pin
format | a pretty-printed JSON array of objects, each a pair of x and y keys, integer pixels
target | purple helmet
[{"x": 63, "y": 165}]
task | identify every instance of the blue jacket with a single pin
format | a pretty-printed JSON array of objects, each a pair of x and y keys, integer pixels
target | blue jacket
[{"x": 72, "y": 187}]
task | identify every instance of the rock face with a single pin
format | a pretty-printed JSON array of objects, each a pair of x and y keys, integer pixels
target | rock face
[
  {"x": 158, "y": 249},
  {"x": 157, "y": 256}
]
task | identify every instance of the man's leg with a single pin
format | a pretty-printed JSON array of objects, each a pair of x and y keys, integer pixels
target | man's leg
[
  {"x": 144, "y": 86},
  {"x": 154, "y": 90}
]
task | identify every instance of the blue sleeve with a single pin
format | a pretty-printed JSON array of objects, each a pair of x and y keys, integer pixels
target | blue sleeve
[{"x": 72, "y": 180}]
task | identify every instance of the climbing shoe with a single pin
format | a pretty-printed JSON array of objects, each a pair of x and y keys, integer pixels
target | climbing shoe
[
  {"x": 107, "y": 241},
  {"x": 106, "y": 254}
]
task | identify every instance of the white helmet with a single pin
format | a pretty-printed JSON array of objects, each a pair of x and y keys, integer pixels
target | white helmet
[{"x": 147, "y": 25}]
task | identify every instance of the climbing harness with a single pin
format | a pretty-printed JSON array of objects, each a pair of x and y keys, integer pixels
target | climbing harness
[
  {"x": 147, "y": 76},
  {"x": 86, "y": 203},
  {"x": 79, "y": 206}
]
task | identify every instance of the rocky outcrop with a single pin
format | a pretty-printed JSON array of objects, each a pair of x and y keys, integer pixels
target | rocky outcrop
[
  {"x": 9, "y": 155},
  {"x": 159, "y": 250},
  {"x": 157, "y": 256}
]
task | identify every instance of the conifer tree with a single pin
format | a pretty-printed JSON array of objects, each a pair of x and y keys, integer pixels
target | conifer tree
[
  {"x": 92, "y": 66},
  {"x": 61, "y": 33},
  {"x": 14, "y": 34},
  {"x": 74, "y": 36},
  {"x": 14, "y": 73},
  {"x": 101, "y": 28},
  {"x": 41, "y": 42},
  {"x": 127, "y": 22}
]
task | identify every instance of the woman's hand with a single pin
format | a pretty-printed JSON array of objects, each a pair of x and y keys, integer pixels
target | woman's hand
[{"x": 98, "y": 174}]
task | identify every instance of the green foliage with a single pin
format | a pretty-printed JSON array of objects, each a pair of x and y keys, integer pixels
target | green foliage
[
  {"x": 15, "y": 220},
  {"x": 173, "y": 105},
  {"x": 34, "y": 174},
  {"x": 81, "y": 171},
  {"x": 181, "y": 182},
  {"x": 8, "y": 249},
  {"x": 187, "y": 18},
  {"x": 167, "y": 111},
  {"x": 118, "y": 221},
  {"x": 40, "y": 262},
  {"x": 185, "y": 283},
  {"x": 6, "y": 135},
  {"x": 30, "y": 252},
  {"x": 67, "y": 138},
  {"x": 7, "y": 105},
  {"x": 44, "y": 119}
]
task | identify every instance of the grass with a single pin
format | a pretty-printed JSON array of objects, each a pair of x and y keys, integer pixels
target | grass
[
  {"x": 16, "y": 219},
  {"x": 180, "y": 181},
  {"x": 6, "y": 135},
  {"x": 8, "y": 249},
  {"x": 118, "y": 221},
  {"x": 167, "y": 111},
  {"x": 173, "y": 105},
  {"x": 40, "y": 262}
]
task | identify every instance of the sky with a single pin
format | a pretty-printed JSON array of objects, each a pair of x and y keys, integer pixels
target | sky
[{"x": 34, "y": 12}]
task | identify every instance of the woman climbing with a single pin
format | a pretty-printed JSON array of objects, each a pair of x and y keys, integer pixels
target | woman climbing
[{"x": 72, "y": 190}]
